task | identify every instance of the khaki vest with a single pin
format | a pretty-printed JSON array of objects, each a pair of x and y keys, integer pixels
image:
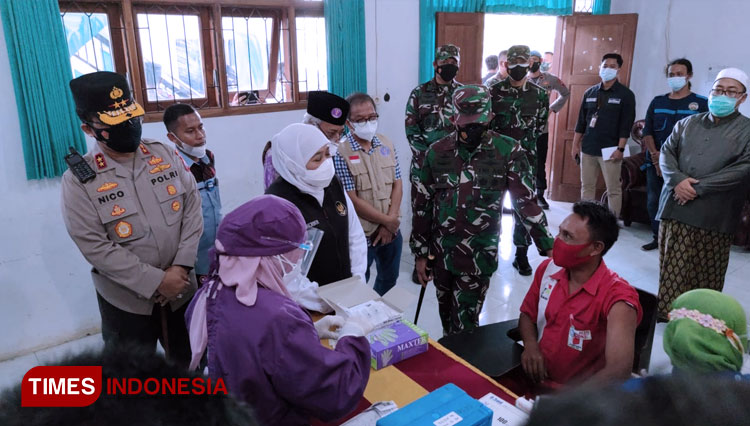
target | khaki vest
[{"x": 373, "y": 176}]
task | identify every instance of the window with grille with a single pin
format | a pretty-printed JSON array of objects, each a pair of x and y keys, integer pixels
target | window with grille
[
  {"x": 583, "y": 6},
  {"x": 228, "y": 57}
]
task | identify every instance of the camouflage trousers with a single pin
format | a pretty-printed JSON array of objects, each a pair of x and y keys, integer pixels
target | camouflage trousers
[
  {"x": 689, "y": 258},
  {"x": 460, "y": 299},
  {"x": 416, "y": 164},
  {"x": 521, "y": 236}
]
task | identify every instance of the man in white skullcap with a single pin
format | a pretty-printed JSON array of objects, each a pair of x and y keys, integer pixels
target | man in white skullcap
[{"x": 705, "y": 163}]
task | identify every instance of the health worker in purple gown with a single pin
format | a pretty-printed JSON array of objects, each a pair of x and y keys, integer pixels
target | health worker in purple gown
[{"x": 259, "y": 341}]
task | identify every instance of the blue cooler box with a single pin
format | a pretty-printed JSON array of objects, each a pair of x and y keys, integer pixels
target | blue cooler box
[{"x": 446, "y": 406}]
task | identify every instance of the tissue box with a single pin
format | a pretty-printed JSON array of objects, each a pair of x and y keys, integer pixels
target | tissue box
[
  {"x": 445, "y": 406},
  {"x": 396, "y": 342}
]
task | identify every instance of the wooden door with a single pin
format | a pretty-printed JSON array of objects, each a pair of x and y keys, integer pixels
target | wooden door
[
  {"x": 581, "y": 42},
  {"x": 465, "y": 30}
]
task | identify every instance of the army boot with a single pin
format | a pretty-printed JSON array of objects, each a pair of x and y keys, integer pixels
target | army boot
[{"x": 522, "y": 262}]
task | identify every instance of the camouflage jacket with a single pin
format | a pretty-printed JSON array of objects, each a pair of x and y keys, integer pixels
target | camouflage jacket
[
  {"x": 520, "y": 113},
  {"x": 428, "y": 113},
  {"x": 460, "y": 198}
]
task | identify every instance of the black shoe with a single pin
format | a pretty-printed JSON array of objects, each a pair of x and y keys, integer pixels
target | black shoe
[
  {"x": 541, "y": 202},
  {"x": 650, "y": 246},
  {"x": 522, "y": 264}
]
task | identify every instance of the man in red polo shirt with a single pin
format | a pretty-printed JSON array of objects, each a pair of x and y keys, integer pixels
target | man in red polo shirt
[{"x": 581, "y": 326}]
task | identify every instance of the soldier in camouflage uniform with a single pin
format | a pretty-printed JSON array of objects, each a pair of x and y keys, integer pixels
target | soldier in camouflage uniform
[
  {"x": 460, "y": 189},
  {"x": 429, "y": 109},
  {"x": 521, "y": 109}
]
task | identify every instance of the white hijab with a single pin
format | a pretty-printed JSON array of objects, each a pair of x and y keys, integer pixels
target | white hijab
[{"x": 291, "y": 149}]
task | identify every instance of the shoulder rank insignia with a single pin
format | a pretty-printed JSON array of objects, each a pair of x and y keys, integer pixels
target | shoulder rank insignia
[
  {"x": 100, "y": 161},
  {"x": 171, "y": 190},
  {"x": 144, "y": 149},
  {"x": 176, "y": 206},
  {"x": 107, "y": 186},
  {"x": 117, "y": 210},
  {"x": 155, "y": 160},
  {"x": 159, "y": 168},
  {"x": 123, "y": 229}
]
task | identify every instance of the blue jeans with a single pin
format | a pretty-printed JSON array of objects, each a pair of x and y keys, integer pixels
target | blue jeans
[
  {"x": 654, "y": 184},
  {"x": 387, "y": 259}
]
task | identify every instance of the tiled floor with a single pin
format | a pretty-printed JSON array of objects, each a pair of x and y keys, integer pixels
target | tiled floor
[{"x": 504, "y": 297}]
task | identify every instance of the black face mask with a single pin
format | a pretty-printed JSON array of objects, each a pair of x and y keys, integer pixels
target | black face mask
[
  {"x": 535, "y": 66},
  {"x": 473, "y": 132},
  {"x": 124, "y": 137},
  {"x": 447, "y": 71},
  {"x": 518, "y": 73}
]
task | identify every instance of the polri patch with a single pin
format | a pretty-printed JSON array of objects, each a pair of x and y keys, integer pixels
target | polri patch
[
  {"x": 154, "y": 160},
  {"x": 176, "y": 206},
  {"x": 117, "y": 210},
  {"x": 123, "y": 229},
  {"x": 159, "y": 168},
  {"x": 144, "y": 149},
  {"x": 171, "y": 190}
]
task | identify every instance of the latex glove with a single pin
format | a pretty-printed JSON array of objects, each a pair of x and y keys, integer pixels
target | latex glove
[
  {"x": 357, "y": 326},
  {"x": 324, "y": 325},
  {"x": 305, "y": 293}
]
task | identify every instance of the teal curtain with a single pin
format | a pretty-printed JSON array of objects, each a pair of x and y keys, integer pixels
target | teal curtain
[
  {"x": 601, "y": 7},
  {"x": 40, "y": 67},
  {"x": 345, "y": 34},
  {"x": 428, "y": 9}
]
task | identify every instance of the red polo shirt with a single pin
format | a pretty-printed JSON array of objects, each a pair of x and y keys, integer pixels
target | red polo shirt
[{"x": 575, "y": 335}]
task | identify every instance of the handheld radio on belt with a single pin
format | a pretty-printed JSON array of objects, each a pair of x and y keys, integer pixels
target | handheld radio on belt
[{"x": 79, "y": 166}]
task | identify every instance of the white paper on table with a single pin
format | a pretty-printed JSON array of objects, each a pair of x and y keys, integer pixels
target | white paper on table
[
  {"x": 503, "y": 413},
  {"x": 607, "y": 152},
  {"x": 371, "y": 415}
]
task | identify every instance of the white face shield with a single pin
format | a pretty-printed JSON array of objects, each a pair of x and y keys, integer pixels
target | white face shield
[{"x": 310, "y": 245}]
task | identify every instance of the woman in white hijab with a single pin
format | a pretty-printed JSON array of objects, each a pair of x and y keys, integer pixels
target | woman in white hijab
[{"x": 301, "y": 155}]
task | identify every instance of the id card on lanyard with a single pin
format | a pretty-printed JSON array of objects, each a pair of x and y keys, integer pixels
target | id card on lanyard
[{"x": 594, "y": 117}]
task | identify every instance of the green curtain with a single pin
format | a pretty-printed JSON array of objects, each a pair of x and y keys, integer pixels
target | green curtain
[
  {"x": 40, "y": 67},
  {"x": 345, "y": 34},
  {"x": 601, "y": 7},
  {"x": 428, "y": 8}
]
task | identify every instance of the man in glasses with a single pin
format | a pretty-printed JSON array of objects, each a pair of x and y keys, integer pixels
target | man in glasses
[
  {"x": 705, "y": 164},
  {"x": 367, "y": 166},
  {"x": 136, "y": 219},
  {"x": 521, "y": 109},
  {"x": 325, "y": 111}
]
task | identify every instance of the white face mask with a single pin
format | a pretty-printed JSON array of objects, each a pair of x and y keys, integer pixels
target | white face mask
[
  {"x": 366, "y": 130},
  {"x": 607, "y": 74},
  {"x": 321, "y": 177},
  {"x": 292, "y": 270},
  {"x": 193, "y": 151}
]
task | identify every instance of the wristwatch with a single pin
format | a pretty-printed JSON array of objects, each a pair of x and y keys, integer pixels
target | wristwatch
[{"x": 621, "y": 149}]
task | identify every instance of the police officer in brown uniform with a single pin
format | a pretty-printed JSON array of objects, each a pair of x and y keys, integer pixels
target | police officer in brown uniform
[{"x": 137, "y": 221}]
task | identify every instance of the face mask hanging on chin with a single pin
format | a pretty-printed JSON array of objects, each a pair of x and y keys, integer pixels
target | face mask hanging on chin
[{"x": 193, "y": 151}]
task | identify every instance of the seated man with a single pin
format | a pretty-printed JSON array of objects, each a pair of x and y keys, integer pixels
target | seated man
[{"x": 581, "y": 325}]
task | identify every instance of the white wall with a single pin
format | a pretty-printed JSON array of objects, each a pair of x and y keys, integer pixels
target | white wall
[
  {"x": 47, "y": 295},
  {"x": 711, "y": 34}
]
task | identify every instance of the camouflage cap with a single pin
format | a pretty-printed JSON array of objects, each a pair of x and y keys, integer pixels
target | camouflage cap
[
  {"x": 473, "y": 105},
  {"x": 518, "y": 51},
  {"x": 447, "y": 51}
]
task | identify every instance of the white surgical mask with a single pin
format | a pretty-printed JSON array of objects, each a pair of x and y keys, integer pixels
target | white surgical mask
[
  {"x": 321, "y": 177},
  {"x": 292, "y": 270},
  {"x": 193, "y": 151},
  {"x": 607, "y": 74},
  {"x": 366, "y": 130}
]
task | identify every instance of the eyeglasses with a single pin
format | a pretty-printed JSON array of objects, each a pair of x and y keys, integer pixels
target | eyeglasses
[
  {"x": 729, "y": 92},
  {"x": 370, "y": 119}
]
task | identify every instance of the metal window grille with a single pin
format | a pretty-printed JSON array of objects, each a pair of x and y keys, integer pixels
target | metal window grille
[
  {"x": 584, "y": 6},
  {"x": 255, "y": 48},
  {"x": 87, "y": 33}
]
